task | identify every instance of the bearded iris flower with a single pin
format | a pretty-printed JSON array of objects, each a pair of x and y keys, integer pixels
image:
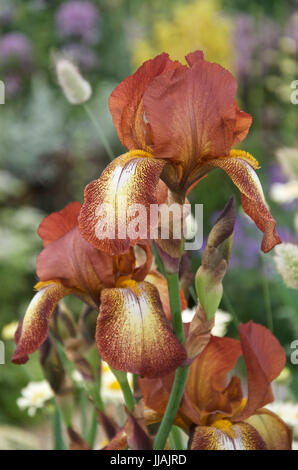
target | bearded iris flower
[
  {"x": 132, "y": 333},
  {"x": 178, "y": 122},
  {"x": 213, "y": 410}
]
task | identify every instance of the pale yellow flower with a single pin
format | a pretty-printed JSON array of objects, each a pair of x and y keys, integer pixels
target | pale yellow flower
[
  {"x": 286, "y": 260},
  {"x": 76, "y": 89},
  {"x": 8, "y": 331},
  {"x": 197, "y": 25}
]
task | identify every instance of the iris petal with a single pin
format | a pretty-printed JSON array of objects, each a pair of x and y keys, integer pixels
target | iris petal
[
  {"x": 244, "y": 177},
  {"x": 126, "y": 102},
  {"x": 129, "y": 183},
  {"x": 193, "y": 113},
  {"x": 240, "y": 436},
  {"x": 272, "y": 429},
  {"x": 264, "y": 360},
  {"x": 133, "y": 334},
  {"x": 34, "y": 329}
]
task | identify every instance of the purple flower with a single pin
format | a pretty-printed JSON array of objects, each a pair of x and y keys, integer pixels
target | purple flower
[
  {"x": 276, "y": 174},
  {"x": 287, "y": 235},
  {"x": 15, "y": 49},
  {"x": 292, "y": 28},
  {"x": 78, "y": 19},
  {"x": 82, "y": 55},
  {"x": 255, "y": 45},
  {"x": 245, "y": 42},
  {"x": 246, "y": 245},
  {"x": 269, "y": 34}
]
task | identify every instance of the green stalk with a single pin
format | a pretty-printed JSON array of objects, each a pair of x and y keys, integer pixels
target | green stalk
[
  {"x": 181, "y": 373},
  {"x": 83, "y": 409},
  {"x": 97, "y": 126},
  {"x": 58, "y": 441},
  {"x": 174, "y": 295},
  {"x": 91, "y": 435},
  {"x": 126, "y": 390},
  {"x": 172, "y": 408}
]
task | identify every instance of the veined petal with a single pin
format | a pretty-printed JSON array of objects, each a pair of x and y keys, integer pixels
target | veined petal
[
  {"x": 69, "y": 259},
  {"x": 116, "y": 211},
  {"x": 274, "y": 432},
  {"x": 77, "y": 264},
  {"x": 133, "y": 334},
  {"x": 192, "y": 113},
  {"x": 243, "y": 123},
  {"x": 59, "y": 223},
  {"x": 126, "y": 103},
  {"x": 240, "y": 436},
  {"x": 193, "y": 57},
  {"x": 207, "y": 379},
  {"x": 264, "y": 360},
  {"x": 244, "y": 177},
  {"x": 35, "y": 325}
]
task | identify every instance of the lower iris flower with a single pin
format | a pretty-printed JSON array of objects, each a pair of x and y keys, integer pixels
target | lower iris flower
[{"x": 133, "y": 333}]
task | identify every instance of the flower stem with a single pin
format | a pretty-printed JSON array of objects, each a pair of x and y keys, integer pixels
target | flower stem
[
  {"x": 126, "y": 390},
  {"x": 97, "y": 126},
  {"x": 91, "y": 435},
  {"x": 172, "y": 408},
  {"x": 58, "y": 441},
  {"x": 181, "y": 373},
  {"x": 174, "y": 295}
]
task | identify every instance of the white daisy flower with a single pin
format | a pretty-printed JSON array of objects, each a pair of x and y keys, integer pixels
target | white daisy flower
[
  {"x": 34, "y": 396},
  {"x": 8, "y": 331}
]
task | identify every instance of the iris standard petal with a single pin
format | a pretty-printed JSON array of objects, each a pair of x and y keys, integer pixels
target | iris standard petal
[
  {"x": 264, "y": 360},
  {"x": 126, "y": 103},
  {"x": 193, "y": 114},
  {"x": 207, "y": 378}
]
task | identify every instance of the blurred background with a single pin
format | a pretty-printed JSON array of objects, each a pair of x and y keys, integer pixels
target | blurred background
[{"x": 49, "y": 150}]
